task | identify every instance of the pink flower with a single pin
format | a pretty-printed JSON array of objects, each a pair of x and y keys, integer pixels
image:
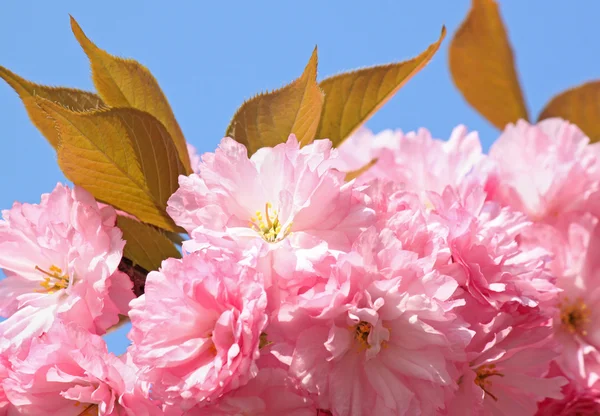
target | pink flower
[
  {"x": 68, "y": 370},
  {"x": 508, "y": 360},
  {"x": 271, "y": 393},
  {"x": 487, "y": 260},
  {"x": 544, "y": 170},
  {"x": 288, "y": 204},
  {"x": 389, "y": 350},
  {"x": 197, "y": 328},
  {"x": 407, "y": 237},
  {"x": 61, "y": 260},
  {"x": 577, "y": 321},
  {"x": 415, "y": 160}
]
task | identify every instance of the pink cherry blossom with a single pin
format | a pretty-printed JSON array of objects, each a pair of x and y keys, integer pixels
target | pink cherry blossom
[
  {"x": 487, "y": 260},
  {"x": 61, "y": 260},
  {"x": 277, "y": 192},
  {"x": 197, "y": 328},
  {"x": 416, "y": 160},
  {"x": 68, "y": 370},
  {"x": 289, "y": 204},
  {"x": 577, "y": 320},
  {"x": 544, "y": 170},
  {"x": 389, "y": 350},
  {"x": 508, "y": 361}
]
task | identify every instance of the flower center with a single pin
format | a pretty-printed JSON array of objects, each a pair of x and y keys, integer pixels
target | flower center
[
  {"x": 212, "y": 349},
  {"x": 483, "y": 373},
  {"x": 361, "y": 333},
  {"x": 54, "y": 279},
  {"x": 90, "y": 410},
  {"x": 574, "y": 315},
  {"x": 269, "y": 226},
  {"x": 264, "y": 341}
]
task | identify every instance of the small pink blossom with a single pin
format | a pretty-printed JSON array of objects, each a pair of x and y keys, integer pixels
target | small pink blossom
[
  {"x": 544, "y": 170},
  {"x": 487, "y": 260},
  {"x": 509, "y": 358},
  {"x": 68, "y": 370},
  {"x": 61, "y": 260},
  {"x": 390, "y": 350},
  {"x": 197, "y": 328},
  {"x": 416, "y": 160},
  {"x": 577, "y": 320},
  {"x": 288, "y": 204}
]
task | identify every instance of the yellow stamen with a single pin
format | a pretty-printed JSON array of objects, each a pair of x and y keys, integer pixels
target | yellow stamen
[
  {"x": 90, "y": 410},
  {"x": 574, "y": 315},
  {"x": 54, "y": 280},
  {"x": 483, "y": 373},
  {"x": 361, "y": 334},
  {"x": 269, "y": 227},
  {"x": 212, "y": 349},
  {"x": 264, "y": 341}
]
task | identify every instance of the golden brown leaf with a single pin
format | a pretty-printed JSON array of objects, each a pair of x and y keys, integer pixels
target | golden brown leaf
[
  {"x": 146, "y": 246},
  {"x": 579, "y": 105},
  {"x": 356, "y": 173},
  {"x": 353, "y": 97},
  {"x": 268, "y": 119},
  {"x": 127, "y": 83},
  {"x": 483, "y": 68},
  {"x": 123, "y": 156},
  {"x": 73, "y": 99}
]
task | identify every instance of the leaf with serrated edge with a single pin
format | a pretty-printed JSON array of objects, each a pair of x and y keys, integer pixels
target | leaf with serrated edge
[
  {"x": 268, "y": 119},
  {"x": 70, "y": 98},
  {"x": 127, "y": 83},
  {"x": 353, "y": 97},
  {"x": 483, "y": 68},
  {"x": 146, "y": 246},
  {"x": 580, "y": 105},
  {"x": 356, "y": 173},
  {"x": 122, "y": 156}
]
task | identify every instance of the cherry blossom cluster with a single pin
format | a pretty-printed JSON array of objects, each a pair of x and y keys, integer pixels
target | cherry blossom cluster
[{"x": 441, "y": 281}]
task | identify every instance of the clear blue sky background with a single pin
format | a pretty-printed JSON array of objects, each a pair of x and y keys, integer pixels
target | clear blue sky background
[{"x": 210, "y": 56}]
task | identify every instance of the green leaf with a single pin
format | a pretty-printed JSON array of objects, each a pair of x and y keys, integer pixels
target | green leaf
[
  {"x": 579, "y": 105},
  {"x": 268, "y": 119},
  {"x": 351, "y": 98},
  {"x": 76, "y": 100},
  {"x": 122, "y": 156},
  {"x": 146, "y": 246},
  {"x": 127, "y": 83},
  {"x": 483, "y": 68}
]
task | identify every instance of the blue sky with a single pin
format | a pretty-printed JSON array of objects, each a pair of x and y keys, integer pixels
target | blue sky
[{"x": 210, "y": 56}]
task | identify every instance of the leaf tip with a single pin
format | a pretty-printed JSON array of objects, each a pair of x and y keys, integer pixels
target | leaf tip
[
  {"x": 74, "y": 25},
  {"x": 443, "y": 34},
  {"x": 313, "y": 63},
  {"x": 80, "y": 35}
]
